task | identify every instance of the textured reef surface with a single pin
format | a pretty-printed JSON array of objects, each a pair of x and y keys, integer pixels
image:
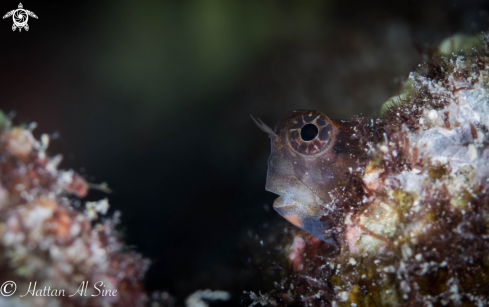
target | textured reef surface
[
  {"x": 50, "y": 238},
  {"x": 412, "y": 223}
]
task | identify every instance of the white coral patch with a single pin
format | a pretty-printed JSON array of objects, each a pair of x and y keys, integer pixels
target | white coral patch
[
  {"x": 456, "y": 135},
  {"x": 379, "y": 219}
]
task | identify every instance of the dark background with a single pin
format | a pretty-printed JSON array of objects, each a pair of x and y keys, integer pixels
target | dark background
[{"x": 154, "y": 98}]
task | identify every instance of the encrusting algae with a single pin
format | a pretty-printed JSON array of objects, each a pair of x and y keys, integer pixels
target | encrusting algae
[{"x": 411, "y": 221}]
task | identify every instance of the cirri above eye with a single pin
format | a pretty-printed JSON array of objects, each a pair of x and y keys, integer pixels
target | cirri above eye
[{"x": 311, "y": 156}]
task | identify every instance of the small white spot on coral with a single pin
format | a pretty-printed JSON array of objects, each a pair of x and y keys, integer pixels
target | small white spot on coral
[
  {"x": 407, "y": 252},
  {"x": 433, "y": 114},
  {"x": 472, "y": 152},
  {"x": 343, "y": 295}
]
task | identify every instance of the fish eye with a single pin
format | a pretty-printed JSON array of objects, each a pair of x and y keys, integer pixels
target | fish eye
[{"x": 309, "y": 132}]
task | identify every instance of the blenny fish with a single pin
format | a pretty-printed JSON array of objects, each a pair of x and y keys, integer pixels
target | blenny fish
[{"x": 311, "y": 155}]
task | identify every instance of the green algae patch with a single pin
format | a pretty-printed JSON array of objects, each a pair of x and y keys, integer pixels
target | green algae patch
[{"x": 407, "y": 92}]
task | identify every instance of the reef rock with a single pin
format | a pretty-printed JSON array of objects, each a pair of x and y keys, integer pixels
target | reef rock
[{"x": 418, "y": 231}]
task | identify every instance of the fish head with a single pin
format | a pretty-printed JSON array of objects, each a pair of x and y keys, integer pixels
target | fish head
[{"x": 310, "y": 156}]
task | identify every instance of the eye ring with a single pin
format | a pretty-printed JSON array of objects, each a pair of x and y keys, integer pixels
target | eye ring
[{"x": 310, "y": 133}]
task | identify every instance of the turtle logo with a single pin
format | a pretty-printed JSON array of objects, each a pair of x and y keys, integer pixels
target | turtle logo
[{"x": 20, "y": 17}]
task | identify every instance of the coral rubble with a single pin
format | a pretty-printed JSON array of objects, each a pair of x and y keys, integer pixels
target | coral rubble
[{"x": 47, "y": 245}]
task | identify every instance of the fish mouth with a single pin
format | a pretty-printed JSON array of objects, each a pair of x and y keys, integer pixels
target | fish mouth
[
  {"x": 298, "y": 204},
  {"x": 285, "y": 201},
  {"x": 292, "y": 193},
  {"x": 302, "y": 217}
]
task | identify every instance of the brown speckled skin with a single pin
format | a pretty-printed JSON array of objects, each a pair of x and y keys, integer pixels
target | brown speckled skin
[{"x": 305, "y": 173}]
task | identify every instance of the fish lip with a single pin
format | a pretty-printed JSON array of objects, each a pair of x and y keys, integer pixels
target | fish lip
[
  {"x": 285, "y": 201},
  {"x": 288, "y": 199},
  {"x": 284, "y": 198}
]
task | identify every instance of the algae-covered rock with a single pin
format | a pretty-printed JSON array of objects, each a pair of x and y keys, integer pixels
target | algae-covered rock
[
  {"x": 421, "y": 234},
  {"x": 458, "y": 43}
]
